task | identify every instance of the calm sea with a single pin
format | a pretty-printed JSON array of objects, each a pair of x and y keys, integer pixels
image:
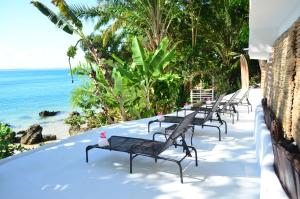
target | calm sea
[{"x": 24, "y": 93}]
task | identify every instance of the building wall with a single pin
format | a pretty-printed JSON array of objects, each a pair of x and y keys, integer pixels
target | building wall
[{"x": 282, "y": 81}]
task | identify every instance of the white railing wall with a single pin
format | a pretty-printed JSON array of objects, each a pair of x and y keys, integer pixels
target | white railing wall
[{"x": 198, "y": 94}]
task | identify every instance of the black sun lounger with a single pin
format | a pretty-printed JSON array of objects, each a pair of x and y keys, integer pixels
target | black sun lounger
[
  {"x": 243, "y": 101},
  {"x": 198, "y": 121},
  {"x": 227, "y": 106},
  {"x": 151, "y": 148}
]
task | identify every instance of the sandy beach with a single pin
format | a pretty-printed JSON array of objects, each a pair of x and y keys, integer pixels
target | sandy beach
[
  {"x": 59, "y": 128},
  {"x": 54, "y": 125}
]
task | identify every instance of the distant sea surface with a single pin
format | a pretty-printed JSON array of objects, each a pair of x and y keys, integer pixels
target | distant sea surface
[{"x": 24, "y": 93}]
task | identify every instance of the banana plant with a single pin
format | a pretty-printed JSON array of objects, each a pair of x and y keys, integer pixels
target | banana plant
[
  {"x": 147, "y": 67},
  {"x": 118, "y": 97}
]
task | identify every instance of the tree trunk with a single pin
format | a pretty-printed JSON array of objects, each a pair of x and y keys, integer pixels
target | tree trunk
[
  {"x": 98, "y": 93},
  {"x": 147, "y": 100},
  {"x": 107, "y": 74},
  {"x": 244, "y": 72},
  {"x": 123, "y": 113},
  {"x": 97, "y": 57},
  {"x": 122, "y": 109}
]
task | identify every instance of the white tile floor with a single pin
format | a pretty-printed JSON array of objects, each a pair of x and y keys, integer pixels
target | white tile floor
[{"x": 227, "y": 169}]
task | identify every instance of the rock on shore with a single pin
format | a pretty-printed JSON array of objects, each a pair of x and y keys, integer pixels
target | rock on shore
[
  {"x": 48, "y": 113},
  {"x": 33, "y": 135}
]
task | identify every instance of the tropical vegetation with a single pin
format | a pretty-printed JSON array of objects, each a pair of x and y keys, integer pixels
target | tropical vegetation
[
  {"x": 7, "y": 146},
  {"x": 139, "y": 62}
]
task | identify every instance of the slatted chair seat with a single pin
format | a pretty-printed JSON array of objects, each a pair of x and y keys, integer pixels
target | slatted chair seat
[{"x": 134, "y": 145}]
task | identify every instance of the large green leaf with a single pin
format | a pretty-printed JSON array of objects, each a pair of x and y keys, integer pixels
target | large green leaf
[
  {"x": 126, "y": 72},
  {"x": 156, "y": 60},
  {"x": 138, "y": 53},
  {"x": 167, "y": 58},
  {"x": 119, "y": 60},
  {"x": 162, "y": 56},
  {"x": 57, "y": 20},
  {"x": 164, "y": 43}
]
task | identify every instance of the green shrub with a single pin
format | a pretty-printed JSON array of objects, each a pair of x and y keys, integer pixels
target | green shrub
[
  {"x": 74, "y": 120},
  {"x": 7, "y": 148}
]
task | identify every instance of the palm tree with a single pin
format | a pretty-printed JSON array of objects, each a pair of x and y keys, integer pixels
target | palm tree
[
  {"x": 69, "y": 22},
  {"x": 152, "y": 18},
  {"x": 230, "y": 16}
]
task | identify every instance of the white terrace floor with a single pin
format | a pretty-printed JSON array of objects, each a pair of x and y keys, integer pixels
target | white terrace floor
[{"x": 227, "y": 169}]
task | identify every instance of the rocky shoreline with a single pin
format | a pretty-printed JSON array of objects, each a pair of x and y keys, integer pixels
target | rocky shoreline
[
  {"x": 42, "y": 132},
  {"x": 46, "y": 129},
  {"x": 33, "y": 135}
]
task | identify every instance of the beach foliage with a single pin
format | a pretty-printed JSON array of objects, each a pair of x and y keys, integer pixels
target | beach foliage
[{"x": 7, "y": 147}]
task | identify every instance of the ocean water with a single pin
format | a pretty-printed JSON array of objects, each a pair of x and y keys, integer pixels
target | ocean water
[{"x": 24, "y": 93}]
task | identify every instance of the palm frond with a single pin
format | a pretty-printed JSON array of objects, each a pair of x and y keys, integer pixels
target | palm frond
[
  {"x": 67, "y": 12},
  {"x": 85, "y": 11},
  {"x": 54, "y": 18}
]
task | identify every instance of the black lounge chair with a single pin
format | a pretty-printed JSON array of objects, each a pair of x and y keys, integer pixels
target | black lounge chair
[
  {"x": 227, "y": 106},
  {"x": 243, "y": 101},
  {"x": 151, "y": 148},
  {"x": 197, "y": 121}
]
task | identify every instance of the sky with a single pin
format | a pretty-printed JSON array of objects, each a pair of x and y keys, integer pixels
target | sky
[{"x": 29, "y": 40}]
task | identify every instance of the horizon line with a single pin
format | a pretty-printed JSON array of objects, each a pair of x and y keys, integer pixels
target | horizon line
[{"x": 54, "y": 68}]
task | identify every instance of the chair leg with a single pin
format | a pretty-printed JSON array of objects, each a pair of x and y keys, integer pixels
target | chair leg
[
  {"x": 235, "y": 111},
  {"x": 87, "y": 152},
  {"x": 130, "y": 154},
  {"x": 193, "y": 131},
  {"x": 219, "y": 133},
  {"x": 196, "y": 155},
  {"x": 153, "y": 136},
  {"x": 217, "y": 128},
  {"x": 86, "y": 155},
  {"x": 225, "y": 126},
  {"x": 180, "y": 170}
]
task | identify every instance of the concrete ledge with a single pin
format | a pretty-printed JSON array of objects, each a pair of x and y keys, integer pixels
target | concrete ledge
[{"x": 270, "y": 186}]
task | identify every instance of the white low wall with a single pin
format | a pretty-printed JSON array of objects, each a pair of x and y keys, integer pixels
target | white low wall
[{"x": 270, "y": 186}]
